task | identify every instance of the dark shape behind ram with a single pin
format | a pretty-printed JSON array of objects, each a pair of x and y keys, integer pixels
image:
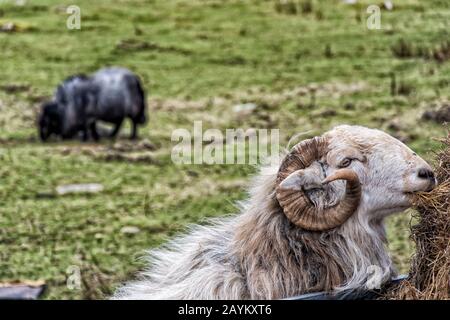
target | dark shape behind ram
[{"x": 110, "y": 95}]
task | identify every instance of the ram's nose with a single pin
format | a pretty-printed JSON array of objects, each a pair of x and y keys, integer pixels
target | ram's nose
[{"x": 427, "y": 174}]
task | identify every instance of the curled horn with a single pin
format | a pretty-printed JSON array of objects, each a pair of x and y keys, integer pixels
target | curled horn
[{"x": 297, "y": 206}]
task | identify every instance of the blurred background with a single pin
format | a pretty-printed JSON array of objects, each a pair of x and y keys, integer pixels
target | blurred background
[{"x": 304, "y": 65}]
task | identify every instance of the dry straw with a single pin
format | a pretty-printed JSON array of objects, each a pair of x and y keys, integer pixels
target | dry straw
[{"x": 429, "y": 277}]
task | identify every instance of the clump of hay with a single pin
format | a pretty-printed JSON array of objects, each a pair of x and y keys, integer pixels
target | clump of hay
[{"x": 429, "y": 276}]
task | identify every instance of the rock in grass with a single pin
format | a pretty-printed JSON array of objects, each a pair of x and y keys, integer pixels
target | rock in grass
[
  {"x": 8, "y": 27},
  {"x": 244, "y": 109},
  {"x": 130, "y": 230},
  {"x": 439, "y": 115},
  {"x": 79, "y": 188},
  {"x": 11, "y": 27},
  {"x": 388, "y": 5}
]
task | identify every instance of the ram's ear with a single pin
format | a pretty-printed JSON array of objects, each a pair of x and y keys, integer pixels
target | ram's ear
[{"x": 302, "y": 180}]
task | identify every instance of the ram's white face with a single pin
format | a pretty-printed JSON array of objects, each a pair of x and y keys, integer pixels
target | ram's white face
[{"x": 388, "y": 170}]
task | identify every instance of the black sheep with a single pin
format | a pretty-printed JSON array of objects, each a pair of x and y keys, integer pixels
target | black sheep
[{"x": 110, "y": 95}]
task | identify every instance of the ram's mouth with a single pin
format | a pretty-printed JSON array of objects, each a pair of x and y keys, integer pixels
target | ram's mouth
[
  {"x": 416, "y": 192},
  {"x": 427, "y": 189},
  {"x": 412, "y": 195}
]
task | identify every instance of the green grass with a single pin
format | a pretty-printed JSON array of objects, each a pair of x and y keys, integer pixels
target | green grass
[{"x": 195, "y": 50}]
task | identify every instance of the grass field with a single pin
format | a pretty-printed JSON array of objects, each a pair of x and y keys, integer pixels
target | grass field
[{"x": 307, "y": 71}]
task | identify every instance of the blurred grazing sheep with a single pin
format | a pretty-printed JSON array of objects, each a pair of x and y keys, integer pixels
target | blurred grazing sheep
[
  {"x": 312, "y": 223},
  {"x": 110, "y": 95}
]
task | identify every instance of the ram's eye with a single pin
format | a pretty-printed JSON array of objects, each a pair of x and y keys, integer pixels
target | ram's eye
[{"x": 345, "y": 163}]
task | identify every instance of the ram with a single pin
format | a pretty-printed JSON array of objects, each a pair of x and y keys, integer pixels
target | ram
[{"x": 312, "y": 223}]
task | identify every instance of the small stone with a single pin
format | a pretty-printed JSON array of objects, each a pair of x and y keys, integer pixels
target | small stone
[
  {"x": 130, "y": 230},
  {"x": 440, "y": 115},
  {"x": 388, "y": 5},
  {"x": 245, "y": 108},
  {"x": 79, "y": 188},
  {"x": 8, "y": 27}
]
